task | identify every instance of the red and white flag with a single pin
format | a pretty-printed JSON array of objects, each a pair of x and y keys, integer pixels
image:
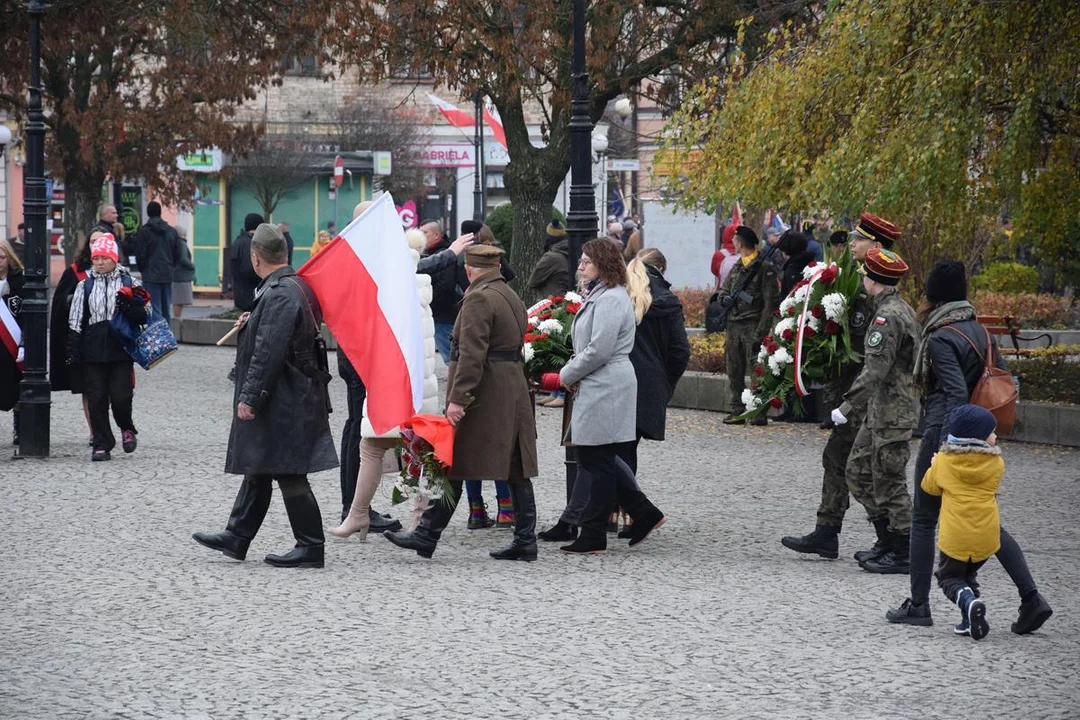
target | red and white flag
[
  {"x": 736, "y": 215},
  {"x": 454, "y": 116},
  {"x": 10, "y": 333},
  {"x": 491, "y": 117},
  {"x": 364, "y": 279}
]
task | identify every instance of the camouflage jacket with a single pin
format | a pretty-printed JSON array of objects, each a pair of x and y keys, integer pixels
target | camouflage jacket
[
  {"x": 858, "y": 320},
  {"x": 764, "y": 290},
  {"x": 885, "y": 388}
]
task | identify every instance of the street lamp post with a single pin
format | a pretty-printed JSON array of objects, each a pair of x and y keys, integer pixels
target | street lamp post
[
  {"x": 581, "y": 221},
  {"x": 600, "y": 147},
  {"x": 34, "y": 392},
  {"x": 478, "y": 159}
]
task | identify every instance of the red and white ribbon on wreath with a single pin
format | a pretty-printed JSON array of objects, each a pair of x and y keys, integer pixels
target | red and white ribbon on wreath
[
  {"x": 539, "y": 307},
  {"x": 800, "y": 386}
]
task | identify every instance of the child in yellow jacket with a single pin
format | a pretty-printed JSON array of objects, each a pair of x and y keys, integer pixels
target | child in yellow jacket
[{"x": 966, "y": 474}]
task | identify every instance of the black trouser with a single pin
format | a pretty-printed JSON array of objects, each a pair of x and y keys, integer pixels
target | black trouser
[
  {"x": 628, "y": 494},
  {"x": 105, "y": 384},
  {"x": 924, "y": 518},
  {"x": 954, "y": 575},
  {"x": 350, "y": 444},
  {"x": 599, "y": 462},
  {"x": 253, "y": 501}
]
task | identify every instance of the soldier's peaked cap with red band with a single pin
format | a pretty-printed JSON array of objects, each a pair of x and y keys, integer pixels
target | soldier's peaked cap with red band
[
  {"x": 872, "y": 227},
  {"x": 885, "y": 266}
]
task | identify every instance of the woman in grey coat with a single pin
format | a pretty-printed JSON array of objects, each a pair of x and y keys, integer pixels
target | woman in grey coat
[{"x": 603, "y": 425}]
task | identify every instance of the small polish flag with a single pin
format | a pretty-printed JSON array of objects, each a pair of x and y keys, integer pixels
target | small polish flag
[
  {"x": 736, "y": 215},
  {"x": 10, "y": 333},
  {"x": 491, "y": 117},
  {"x": 457, "y": 118},
  {"x": 364, "y": 279}
]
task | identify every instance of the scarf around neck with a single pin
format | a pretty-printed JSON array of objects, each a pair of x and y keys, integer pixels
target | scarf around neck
[
  {"x": 746, "y": 260},
  {"x": 946, "y": 314}
]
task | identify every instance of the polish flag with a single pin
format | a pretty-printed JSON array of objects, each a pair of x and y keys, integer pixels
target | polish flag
[
  {"x": 457, "y": 118},
  {"x": 491, "y": 117},
  {"x": 736, "y": 215},
  {"x": 10, "y": 334},
  {"x": 364, "y": 279}
]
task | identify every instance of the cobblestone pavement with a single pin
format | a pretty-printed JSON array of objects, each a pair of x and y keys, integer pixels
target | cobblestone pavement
[{"x": 109, "y": 610}]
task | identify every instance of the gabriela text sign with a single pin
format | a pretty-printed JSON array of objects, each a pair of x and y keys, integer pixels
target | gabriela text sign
[{"x": 447, "y": 156}]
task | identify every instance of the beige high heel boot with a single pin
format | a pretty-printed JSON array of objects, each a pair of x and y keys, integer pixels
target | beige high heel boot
[{"x": 358, "y": 520}]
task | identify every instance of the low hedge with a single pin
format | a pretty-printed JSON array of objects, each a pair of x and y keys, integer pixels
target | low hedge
[
  {"x": 1048, "y": 374},
  {"x": 707, "y": 353},
  {"x": 1031, "y": 310},
  {"x": 693, "y": 302}
]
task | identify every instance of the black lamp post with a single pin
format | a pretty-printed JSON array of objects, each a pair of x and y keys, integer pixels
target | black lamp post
[
  {"x": 478, "y": 161},
  {"x": 34, "y": 396},
  {"x": 581, "y": 220}
]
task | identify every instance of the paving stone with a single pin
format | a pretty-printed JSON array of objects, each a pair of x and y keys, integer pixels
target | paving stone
[{"x": 109, "y": 610}]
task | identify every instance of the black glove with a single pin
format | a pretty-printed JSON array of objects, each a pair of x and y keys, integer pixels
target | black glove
[
  {"x": 74, "y": 348},
  {"x": 728, "y": 301},
  {"x": 136, "y": 314}
]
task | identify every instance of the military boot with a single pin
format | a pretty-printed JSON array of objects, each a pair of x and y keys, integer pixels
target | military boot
[
  {"x": 307, "y": 527},
  {"x": 523, "y": 546},
  {"x": 248, "y": 512},
  {"x": 895, "y": 561},
  {"x": 823, "y": 541},
  {"x": 881, "y": 527}
]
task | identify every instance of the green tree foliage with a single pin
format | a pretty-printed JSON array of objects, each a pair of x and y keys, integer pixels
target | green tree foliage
[
  {"x": 938, "y": 116},
  {"x": 501, "y": 222},
  {"x": 1007, "y": 277}
]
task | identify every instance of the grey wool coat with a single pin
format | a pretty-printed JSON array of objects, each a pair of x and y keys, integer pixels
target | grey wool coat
[
  {"x": 605, "y": 409},
  {"x": 290, "y": 434}
]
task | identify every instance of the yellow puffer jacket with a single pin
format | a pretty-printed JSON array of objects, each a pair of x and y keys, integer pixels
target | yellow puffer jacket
[{"x": 967, "y": 479}]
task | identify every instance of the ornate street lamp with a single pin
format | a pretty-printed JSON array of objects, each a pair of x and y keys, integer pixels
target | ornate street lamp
[
  {"x": 478, "y": 160},
  {"x": 34, "y": 391}
]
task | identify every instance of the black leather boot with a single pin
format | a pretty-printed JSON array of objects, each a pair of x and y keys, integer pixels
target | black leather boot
[
  {"x": 823, "y": 541},
  {"x": 895, "y": 561},
  {"x": 382, "y": 523},
  {"x": 881, "y": 527},
  {"x": 523, "y": 546},
  {"x": 248, "y": 512},
  {"x": 306, "y": 521},
  {"x": 434, "y": 520},
  {"x": 559, "y": 532}
]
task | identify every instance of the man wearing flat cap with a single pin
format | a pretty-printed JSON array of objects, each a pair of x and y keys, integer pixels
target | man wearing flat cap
[
  {"x": 871, "y": 233},
  {"x": 885, "y": 390},
  {"x": 487, "y": 401},
  {"x": 280, "y": 429}
]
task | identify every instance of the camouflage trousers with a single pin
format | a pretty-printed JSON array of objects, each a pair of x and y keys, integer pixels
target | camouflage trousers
[
  {"x": 877, "y": 474},
  {"x": 834, "y": 487},
  {"x": 740, "y": 352}
]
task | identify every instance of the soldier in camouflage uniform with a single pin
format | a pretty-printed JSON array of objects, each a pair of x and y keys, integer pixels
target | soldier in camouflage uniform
[
  {"x": 871, "y": 233},
  {"x": 886, "y": 390},
  {"x": 750, "y": 313}
]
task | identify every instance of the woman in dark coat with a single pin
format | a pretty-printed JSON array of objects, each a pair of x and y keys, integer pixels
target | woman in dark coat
[
  {"x": 951, "y": 360},
  {"x": 661, "y": 349},
  {"x": 63, "y": 376},
  {"x": 11, "y": 286},
  {"x": 795, "y": 247}
]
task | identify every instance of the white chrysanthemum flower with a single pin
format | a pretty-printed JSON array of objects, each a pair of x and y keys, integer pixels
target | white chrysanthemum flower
[
  {"x": 528, "y": 352},
  {"x": 752, "y": 403},
  {"x": 835, "y": 306},
  {"x": 747, "y": 397},
  {"x": 785, "y": 324},
  {"x": 762, "y": 355},
  {"x": 779, "y": 360},
  {"x": 572, "y": 297},
  {"x": 808, "y": 272},
  {"x": 786, "y": 305},
  {"x": 550, "y": 326},
  {"x": 801, "y": 293},
  {"x": 814, "y": 323}
]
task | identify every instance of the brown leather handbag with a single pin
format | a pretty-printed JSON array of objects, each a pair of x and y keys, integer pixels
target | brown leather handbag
[{"x": 995, "y": 390}]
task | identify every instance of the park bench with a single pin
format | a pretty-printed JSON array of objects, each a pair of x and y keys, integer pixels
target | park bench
[{"x": 1008, "y": 325}]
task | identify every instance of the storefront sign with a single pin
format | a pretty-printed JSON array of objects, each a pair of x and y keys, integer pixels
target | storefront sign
[
  {"x": 447, "y": 156},
  {"x": 203, "y": 161},
  {"x": 407, "y": 213}
]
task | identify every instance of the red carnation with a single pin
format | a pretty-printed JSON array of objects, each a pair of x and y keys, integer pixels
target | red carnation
[
  {"x": 759, "y": 370},
  {"x": 545, "y": 316},
  {"x": 817, "y": 311},
  {"x": 812, "y": 264},
  {"x": 828, "y": 275},
  {"x": 755, "y": 386},
  {"x": 557, "y": 299},
  {"x": 832, "y": 328},
  {"x": 801, "y": 283},
  {"x": 808, "y": 332},
  {"x": 541, "y": 336},
  {"x": 791, "y": 311},
  {"x": 771, "y": 347},
  {"x": 776, "y": 313},
  {"x": 777, "y": 403},
  {"x": 788, "y": 335},
  {"x": 573, "y": 308},
  {"x": 767, "y": 340}
]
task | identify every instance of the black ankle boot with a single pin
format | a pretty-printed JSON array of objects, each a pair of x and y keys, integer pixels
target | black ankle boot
[
  {"x": 823, "y": 541},
  {"x": 881, "y": 527},
  {"x": 911, "y": 613},
  {"x": 592, "y": 541},
  {"x": 893, "y": 562},
  {"x": 307, "y": 527},
  {"x": 434, "y": 520},
  {"x": 248, "y": 512},
  {"x": 559, "y": 532},
  {"x": 523, "y": 546},
  {"x": 381, "y": 523},
  {"x": 645, "y": 524}
]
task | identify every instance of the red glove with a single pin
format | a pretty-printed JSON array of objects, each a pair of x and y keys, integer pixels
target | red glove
[{"x": 141, "y": 294}]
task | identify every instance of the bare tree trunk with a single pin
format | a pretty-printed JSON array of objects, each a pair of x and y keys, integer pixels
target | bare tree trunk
[
  {"x": 82, "y": 196},
  {"x": 533, "y": 184}
]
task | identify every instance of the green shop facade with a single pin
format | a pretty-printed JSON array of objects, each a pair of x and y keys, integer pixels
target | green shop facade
[{"x": 221, "y": 204}]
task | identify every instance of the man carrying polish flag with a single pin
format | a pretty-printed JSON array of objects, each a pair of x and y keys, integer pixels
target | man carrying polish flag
[{"x": 364, "y": 282}]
